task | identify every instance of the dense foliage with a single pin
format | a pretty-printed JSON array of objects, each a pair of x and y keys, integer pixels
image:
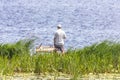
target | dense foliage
[{"x": 97, "y": 58}]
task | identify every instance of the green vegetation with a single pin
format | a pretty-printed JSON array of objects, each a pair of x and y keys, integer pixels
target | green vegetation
[{"x": 97, "y": 58}]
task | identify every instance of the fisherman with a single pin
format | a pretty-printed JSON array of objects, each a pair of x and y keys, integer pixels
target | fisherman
[{"x": 59, "y": 37}]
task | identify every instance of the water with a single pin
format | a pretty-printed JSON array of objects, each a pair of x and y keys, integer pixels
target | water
[{"x": 84, "y": 21}]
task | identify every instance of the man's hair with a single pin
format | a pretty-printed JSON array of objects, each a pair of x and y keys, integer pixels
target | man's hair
[{"x": 59, "y": 26}]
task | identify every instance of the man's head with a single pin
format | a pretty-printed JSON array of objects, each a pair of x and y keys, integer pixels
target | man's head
[{"x": 59, "y": 26}]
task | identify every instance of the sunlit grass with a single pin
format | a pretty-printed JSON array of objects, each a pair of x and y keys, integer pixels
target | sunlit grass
[{"x": 98, "y": 58}]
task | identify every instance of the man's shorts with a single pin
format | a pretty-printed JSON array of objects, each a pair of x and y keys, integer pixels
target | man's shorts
[{"x": 59, "y": 47}]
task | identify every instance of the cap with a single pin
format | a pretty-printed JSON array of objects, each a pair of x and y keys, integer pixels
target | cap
[{"x": 59, "y": 25}]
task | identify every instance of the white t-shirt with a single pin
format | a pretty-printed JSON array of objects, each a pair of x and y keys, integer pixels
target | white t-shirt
[{"x": 59, "y": 37}]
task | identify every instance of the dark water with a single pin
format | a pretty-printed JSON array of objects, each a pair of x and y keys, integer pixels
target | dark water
[{"x": 84, "y": 21}]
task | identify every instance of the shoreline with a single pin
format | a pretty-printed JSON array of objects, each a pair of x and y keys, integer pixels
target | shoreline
[
  {"x": 60, "y": 76},
  {"x": 33, "y": 76}
]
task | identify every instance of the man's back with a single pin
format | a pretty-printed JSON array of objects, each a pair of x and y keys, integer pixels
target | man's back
[{"x": 59, "y": 37}]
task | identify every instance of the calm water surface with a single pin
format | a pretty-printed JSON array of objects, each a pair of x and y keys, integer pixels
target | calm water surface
[{"x": 84, "y": 21}]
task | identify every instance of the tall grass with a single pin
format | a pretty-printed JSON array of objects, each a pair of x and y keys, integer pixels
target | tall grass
[
  {"x": 97, "y": 58},
  {"x": 20, "y": 47},
  {"x": 14, "y": 57}
]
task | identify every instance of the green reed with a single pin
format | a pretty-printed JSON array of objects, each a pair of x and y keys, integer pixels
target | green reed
[
  {"x": 18, "y": 48},
  {"x": 97, "y": 58}
]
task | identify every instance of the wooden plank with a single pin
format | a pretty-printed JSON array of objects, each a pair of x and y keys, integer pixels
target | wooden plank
[{"x": 45, "y": 49}]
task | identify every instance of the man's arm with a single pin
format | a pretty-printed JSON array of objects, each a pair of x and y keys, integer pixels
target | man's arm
[
  {"x": 54, "y": 38},
  {"x": 64, "y": 36}
]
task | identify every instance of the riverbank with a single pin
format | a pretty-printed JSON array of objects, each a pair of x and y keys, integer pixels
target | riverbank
[
  {"x": 32, "y": 76},
  {"x": 103, "y": 57},
  {"x": 60, "y": 76}
]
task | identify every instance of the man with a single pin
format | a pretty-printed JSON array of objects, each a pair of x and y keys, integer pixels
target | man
[{"x": 59, "y": 39}]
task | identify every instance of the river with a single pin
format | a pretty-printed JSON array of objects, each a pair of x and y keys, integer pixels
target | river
[{"x": 84, "y": 21}]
